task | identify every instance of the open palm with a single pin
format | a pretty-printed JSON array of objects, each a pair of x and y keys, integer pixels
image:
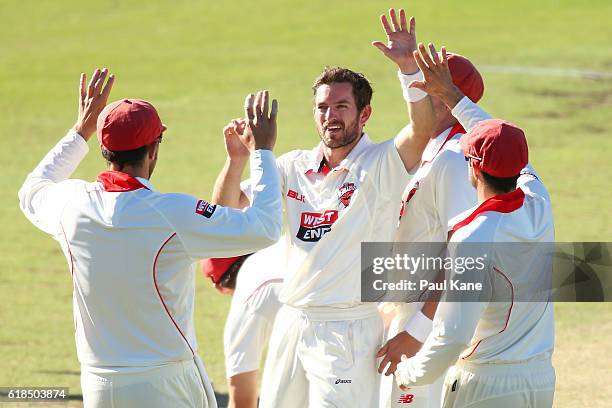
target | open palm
[{"x": 401, "y": 40}]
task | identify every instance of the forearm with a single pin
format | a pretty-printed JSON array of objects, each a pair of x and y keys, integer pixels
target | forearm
[
  {"x": 227, "y": 186},
  {"x": 37, "y": 197},
  {"x": 468, "y": 113}
]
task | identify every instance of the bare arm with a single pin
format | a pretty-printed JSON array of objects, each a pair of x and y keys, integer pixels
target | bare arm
[
  {"x": 401, "y": 43},
  {"x": 227, "y": 186},
  {"x": 241, "y": 139}
]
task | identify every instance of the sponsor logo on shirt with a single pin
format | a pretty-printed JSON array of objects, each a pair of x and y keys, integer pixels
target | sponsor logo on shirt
[
  {"x": 345, "y": 192},
  {"x": 313, "y": 225},
  {"x": 406, "y": 399},
  {"x": 205, "y": 208},
  {"x": 341, "y": 381},
  {"x": 296, "y": 196}
]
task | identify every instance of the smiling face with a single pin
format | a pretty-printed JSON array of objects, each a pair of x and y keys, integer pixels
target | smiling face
[{"x": 338, "y": 121}]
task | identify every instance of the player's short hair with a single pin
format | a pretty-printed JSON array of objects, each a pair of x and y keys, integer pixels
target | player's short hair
[
  {"x": 126, "y": 157},
  {"x": 228, "y": 279},
  {"x": 362, "y": 90},
  {"x": 500, "y": 184}
]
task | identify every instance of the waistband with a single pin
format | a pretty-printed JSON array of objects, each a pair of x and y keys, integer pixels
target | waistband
[{"x": 361, "y": 311}]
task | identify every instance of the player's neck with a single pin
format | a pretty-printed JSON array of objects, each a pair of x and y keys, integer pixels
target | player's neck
[
  {"x": 333, "y": 157},
  {"x": 134, "y": 171},
  {"x": 485, "y": 192}
]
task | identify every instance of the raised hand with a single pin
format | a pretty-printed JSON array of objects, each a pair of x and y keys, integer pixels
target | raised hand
[
  {"x": 260, "y": 127},
  {"x": 401, "y": 41},
  {"x": 92, "y": 100},
  {"x": 437, "y": 77},
  {"x": 233, "y": 145}
]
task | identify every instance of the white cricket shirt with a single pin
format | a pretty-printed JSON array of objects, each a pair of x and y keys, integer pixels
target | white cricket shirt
[
  {"x": 131, "y": 252},
  {"x": 328, "y": 213},
  {"x": 493, "y": 332},
  {"x": 253, "y": 309}
]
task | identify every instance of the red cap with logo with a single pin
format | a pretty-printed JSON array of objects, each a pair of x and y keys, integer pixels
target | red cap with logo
[
  {"x": 496, "y": 147},
  {"x": 128, "y": 124},
  {"x": 214, "y": 268},
  {"x": 465, "y": 76}
]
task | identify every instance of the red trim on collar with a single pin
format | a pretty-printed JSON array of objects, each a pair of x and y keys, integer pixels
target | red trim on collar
[
  {"x": 323, "y": 169},
  {"x": 116, "y": 181},
  {"x": 504, "y": 203},
  {"x": 454, "y": 130}
]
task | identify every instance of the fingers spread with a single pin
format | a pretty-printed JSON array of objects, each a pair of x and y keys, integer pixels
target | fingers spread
[
  {"x": 107, "y": 88},
  {"x": 403, "y": 24},
  {"x": 396, "y": 25},
  {"x": 265, "y": 102},
  {"x": 92, "y": 82},
  {"x": 248, "y": 106},
  {"x": 82, "y": 91},
  {"x": 99, "y": 82},
  {"x": 434, "y": 54},
  {"x": 274, "y": 110},
  {"x": 385, "y": 24},
  {"x": 418, "y": 58}
]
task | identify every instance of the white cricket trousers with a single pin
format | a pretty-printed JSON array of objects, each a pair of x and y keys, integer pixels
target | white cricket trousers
[
  {"x": 181, "y": 384},
  {"x": 528, "y": 384},
  {"x": 319, "y": 359},
  {"x": 391, "y": 396}
]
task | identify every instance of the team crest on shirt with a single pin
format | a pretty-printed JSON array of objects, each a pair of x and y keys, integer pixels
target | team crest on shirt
[
  {"x": 313, "y": 225},
  {"x": 345, "y": 192},
  {"x": 205, "y": 209}
]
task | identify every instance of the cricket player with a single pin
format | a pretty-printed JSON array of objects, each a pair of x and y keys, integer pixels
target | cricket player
[
  {"x": 132, "y": 251},
  {"x": 345, "y": 190},
  {"x": 439, "y": 191},
  {"x": 501, "y": 349},
  {"x": 254, "y": 282}
]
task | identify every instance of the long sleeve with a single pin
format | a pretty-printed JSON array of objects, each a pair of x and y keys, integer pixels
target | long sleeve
[
  {"x": 44, "y": 193},
  {"x": 454, "y": 323},
  {"x": 208, "y": 230},
  {"x": 468, "y": 113}
]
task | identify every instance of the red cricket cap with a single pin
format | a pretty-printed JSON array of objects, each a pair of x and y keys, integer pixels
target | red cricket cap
[
  {"x": 214, "y": 268},
  {"x": 496, "y": 147},
  {"x": 128, "y": 124},
  {"x": 465, "y": 76}
]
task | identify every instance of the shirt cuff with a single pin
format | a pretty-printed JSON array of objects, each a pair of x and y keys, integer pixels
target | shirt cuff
[
  {"x": 461, "y": 106},
  {"x": 411, "y": 94},
  {"x": 419, "y": 326},
  {"x": 78, "y": 140}
]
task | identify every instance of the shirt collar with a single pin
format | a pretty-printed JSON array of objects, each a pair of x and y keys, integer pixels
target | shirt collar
[
  {"x": 117, "y": 181},
  {"x": 318, "y": 165},
  {"x": 503, "y": 203}
]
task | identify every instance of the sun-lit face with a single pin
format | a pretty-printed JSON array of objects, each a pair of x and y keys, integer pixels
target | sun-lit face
[{"x": 336, "y": 116}]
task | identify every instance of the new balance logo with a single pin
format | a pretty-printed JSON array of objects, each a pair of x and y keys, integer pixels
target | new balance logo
[
  {"x": 406, "y": 399},
  {"x": 341, "y": 381}
]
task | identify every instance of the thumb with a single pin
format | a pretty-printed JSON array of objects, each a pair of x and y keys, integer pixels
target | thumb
[
  {"x": 418, "y": 85},
  {"x": 381, "y": 46}
]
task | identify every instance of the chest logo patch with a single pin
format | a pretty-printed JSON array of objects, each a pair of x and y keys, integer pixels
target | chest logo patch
[
  {"x": 313, "y": 225},
  {"x": 345, "y": 192}
]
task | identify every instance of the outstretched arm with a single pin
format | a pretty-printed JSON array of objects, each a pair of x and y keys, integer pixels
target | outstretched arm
[
  {"x": 401, "y": 43},
  {"x": 42, "y": 196}
]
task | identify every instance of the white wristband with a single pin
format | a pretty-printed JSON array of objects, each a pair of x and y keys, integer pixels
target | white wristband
[
  {"x": 419, "y": 326},
  {"x": 411, "y": 94}
]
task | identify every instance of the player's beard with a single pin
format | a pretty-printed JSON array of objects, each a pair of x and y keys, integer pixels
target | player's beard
[{"x": 349, "y": 133}]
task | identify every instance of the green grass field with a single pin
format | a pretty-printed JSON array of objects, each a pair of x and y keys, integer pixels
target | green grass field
[{"x": 195, "y": 60}]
